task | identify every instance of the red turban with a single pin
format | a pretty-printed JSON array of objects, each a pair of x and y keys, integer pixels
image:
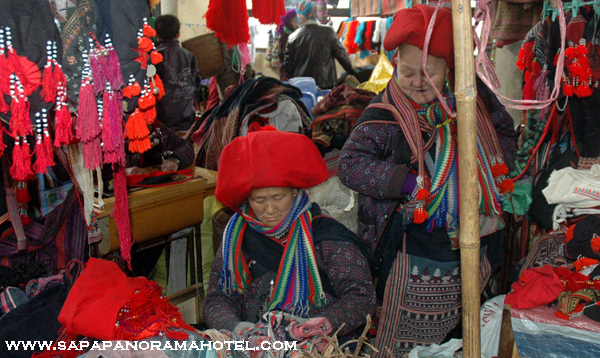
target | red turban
[
  {"x": 265, "y": 159},
  {"x": 410, "y": 26}
]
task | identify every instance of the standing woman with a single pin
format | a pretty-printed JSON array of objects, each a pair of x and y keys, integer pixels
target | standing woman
[
  {"x": 289, "y": 23},
  {"x": 402, "y": 158}
]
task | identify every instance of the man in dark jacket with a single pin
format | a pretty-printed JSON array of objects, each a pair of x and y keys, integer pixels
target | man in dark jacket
[
  {"x": 180, "y": 76},
  {"x": 311, "y": 50}
]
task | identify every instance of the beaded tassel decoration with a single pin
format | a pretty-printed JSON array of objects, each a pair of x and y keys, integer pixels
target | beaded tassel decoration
[
  {"x": 88, "y": 126},
  {"x": 112, "y": 126},
  {"x": 113, "y": 66},
  {"x": 20, "y": 124},
  {"x": 20, "y": 169},
  {"x": 63, "y": 133},
  {"x": 49, "y": 87},
  {"x": 137, "y": 132},
  {"x": 5, "y": 72},
  {"x": 132, "y": 89},
  {"x": 41, "y": 163},
  {"x": 97, "y": 56},
  {"x": 59, "y": 77}
]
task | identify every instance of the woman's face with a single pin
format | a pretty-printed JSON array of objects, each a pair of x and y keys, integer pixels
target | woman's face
[
  {"x": 271, "y": 205},
  {"x": 411, "y": 78}
]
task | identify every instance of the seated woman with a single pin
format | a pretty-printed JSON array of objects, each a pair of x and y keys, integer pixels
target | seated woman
[{"x": 275, "y": 227}]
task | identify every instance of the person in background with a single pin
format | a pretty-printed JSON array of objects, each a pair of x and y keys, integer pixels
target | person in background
[
  {"x": 289, "y": 23},
  {"x": 311, "y": 50},
  {"x": 180, "y": 76},
  {"x": 402, "y": 158},
  {"x": 275, "y": 226}
]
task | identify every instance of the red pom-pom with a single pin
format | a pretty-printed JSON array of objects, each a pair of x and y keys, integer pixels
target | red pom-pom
[
  {"x": 529, "y": 89},
  {"x": 506, "y": 186},
  {"x": 583, "y": 90},
  {"x": 568, "y": 89},
  {"x": 159, "y": 84},
  {"x": 146, "y": 101},
  {"x": 149, "y": 31},
  {"x": 582, "y": 263},
  {"x": 596, "y": 243},
  {"x": 145, "y": 44},
  {"x": 156, "y": 57},
  {"x": 420, "y": 215},
  {"x": 422, "y": 194}
]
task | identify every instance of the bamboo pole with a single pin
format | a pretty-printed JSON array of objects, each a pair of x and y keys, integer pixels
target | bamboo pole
[{"x": 466, "y": 96}]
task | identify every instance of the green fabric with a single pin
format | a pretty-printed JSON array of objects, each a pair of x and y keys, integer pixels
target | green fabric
[{"x": 520, "y": 199}]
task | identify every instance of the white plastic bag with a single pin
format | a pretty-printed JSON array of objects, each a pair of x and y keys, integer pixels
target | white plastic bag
[{"x": 491, "y": 323}]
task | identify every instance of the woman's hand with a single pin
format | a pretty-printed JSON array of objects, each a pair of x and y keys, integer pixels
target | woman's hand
[{"x": 170, "y": 164}]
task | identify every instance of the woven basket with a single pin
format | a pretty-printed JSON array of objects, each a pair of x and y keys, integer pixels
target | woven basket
[{"x": 207, "y": 49}]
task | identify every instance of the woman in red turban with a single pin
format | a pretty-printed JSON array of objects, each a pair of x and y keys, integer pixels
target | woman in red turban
[
  {"x": 402, "y": 159},
  {"x": 279, "y": 251}
]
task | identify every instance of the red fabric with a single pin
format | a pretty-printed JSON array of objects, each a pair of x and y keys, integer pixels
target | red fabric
[
  {"x": 92, "y": 306},
  {"x": 410, "y": 26},
  {"x": 267, "y": 159},
  {"x": 268, "y": 11},
  {"x": 222, "y": 13},
  {"x": 537, "y": 286}
]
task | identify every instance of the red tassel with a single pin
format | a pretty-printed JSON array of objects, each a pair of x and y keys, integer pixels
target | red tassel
[
  {"x": 422, "y": 194},
  {"x": 222, "y": 13},
  {"x": 48, "y": 92},
  {"x": 20, "y": 124},
  {"x": 150, "y": 115},
  {"x": 47, "y": 145},
  {"x": 499, "y": 168},
  {"x": 40, "y": 166},
  {"x": 583, "y": 90},
  {"x": 22, "y": 193},
  {"x": 596, "y": 243},
  {"x": 145, "y": 44},
  {"x": 21, "y": 166},
  {"x": 506, "y": 186},
  {"x": 156, "y": 57},
  {"x": 148, "y": 31},
  {"x": 582, "y": 263},
  {"x": 136, "y": 127},
  {"x": 159, "y": 84},
  {"x": 146, "y": 101},
  {"x": 420, "y": 215},
  {"x": 63, "y": 134},
  {"x": 568, "y": 89},
  {"x": 60, "y": 80},
  {"x": 5, "y": 72}
]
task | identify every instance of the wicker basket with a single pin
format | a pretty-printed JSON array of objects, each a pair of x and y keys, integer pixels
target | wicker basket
[{"x": 207, "y": 49}]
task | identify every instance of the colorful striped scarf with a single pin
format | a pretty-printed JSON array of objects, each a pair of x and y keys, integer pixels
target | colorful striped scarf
[
  {"x": 298, "y": 284},
  {"x": 441, "y": 203},
  {"x": 306, "y": 10}
]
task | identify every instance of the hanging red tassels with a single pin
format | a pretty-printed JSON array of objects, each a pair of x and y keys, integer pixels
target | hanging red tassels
[{"x": 21, "y": 165}]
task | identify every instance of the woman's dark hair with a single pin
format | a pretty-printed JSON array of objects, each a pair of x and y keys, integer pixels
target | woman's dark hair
[{"x": 167, "y": 27}]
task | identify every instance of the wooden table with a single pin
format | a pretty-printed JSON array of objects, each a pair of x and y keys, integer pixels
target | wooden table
[{"x": 159, "y": 211}]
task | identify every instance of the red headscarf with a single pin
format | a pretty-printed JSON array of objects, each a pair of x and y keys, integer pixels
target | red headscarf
[
  {"x": 410, "y": 26},
  {"x": 265, "y": 159}
]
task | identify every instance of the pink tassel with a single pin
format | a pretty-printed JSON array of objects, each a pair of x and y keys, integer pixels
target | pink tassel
[
  {"x": 63, "y": 134},
  {"x": 92, "y": 154},
  {"x": 98, "y": 67},
  {"x": 108, "y": 139},
  {"x": 121, "y": 213},
  {"x": 48, "y": 92},
  {"x": 88, "y": 126},
  {"x": 21, "y": 166},
  {"x": 114, "y": 74}
]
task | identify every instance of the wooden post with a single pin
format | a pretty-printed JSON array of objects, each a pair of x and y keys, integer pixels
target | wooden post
[{"x": 466, "y": 101}]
